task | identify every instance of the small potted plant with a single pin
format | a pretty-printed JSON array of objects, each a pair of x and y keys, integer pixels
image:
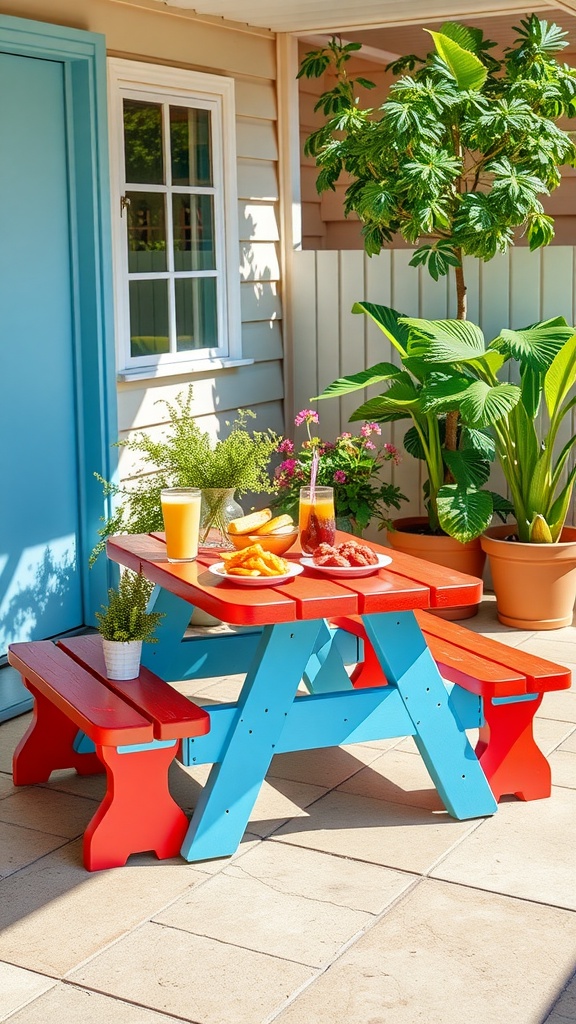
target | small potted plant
[
  {"x": 125, "y": 623},
  {"x": 351, "y": 465}
]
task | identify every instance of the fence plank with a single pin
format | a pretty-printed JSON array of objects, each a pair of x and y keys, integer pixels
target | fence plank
[{"x": 328, "y": 327}]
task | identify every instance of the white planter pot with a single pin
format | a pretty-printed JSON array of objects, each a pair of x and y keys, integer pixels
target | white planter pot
[{"x": 122, "y": 659}]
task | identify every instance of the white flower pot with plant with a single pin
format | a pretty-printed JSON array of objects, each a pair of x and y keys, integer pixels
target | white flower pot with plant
[{"x": 125, "y": 623}]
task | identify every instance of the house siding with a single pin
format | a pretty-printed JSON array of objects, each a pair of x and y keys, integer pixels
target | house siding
[{"x": 179, "y": 39}]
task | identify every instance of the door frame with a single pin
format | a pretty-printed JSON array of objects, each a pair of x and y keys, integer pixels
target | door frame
[{"x": 83, "y": 55}]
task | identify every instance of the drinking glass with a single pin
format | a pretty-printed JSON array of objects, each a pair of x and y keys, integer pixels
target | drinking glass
[
  {"x": 316, "y": 520},
  {"x": 181, "y": 514}
]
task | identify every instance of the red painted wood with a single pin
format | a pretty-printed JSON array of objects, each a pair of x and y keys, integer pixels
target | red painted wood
[
  {"x": 507, "y": 751},
  {"x": 103, "y": 716},
  {"x": 541, "y": 675},
  {"x": 241, "y": 606},
  {"x": 173, "y": 715},
  {"x": 137, "y": 813},
  {"x": 48, "y": 745},
  {"x": 408, "y": 583}
]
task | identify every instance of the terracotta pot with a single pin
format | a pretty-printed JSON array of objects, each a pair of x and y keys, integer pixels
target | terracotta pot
[
  {"x": 535, "y": 584},
  {"x": 468, "y": 558}
]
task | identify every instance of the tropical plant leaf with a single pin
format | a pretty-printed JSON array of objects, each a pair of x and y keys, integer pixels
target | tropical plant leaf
[
  {"x": 467, "y": 467},
  {"x": 357, "y": 381},
  {"x": 412, "y": 443},
  {"x": 537, "y": 344},
  {"x": 468, "y": 70},
  {"x": 389, "y": 320},
  {"x": 464, "y": 514},
  {"x": 483, "y": 405},
  {"x": 444, "y": 341},
  {"x": 479, "y": 441},
  {"x": 560, "y": 377}
]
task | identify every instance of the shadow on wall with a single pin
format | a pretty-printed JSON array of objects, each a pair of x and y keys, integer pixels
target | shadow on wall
[{"x": 33, "y": 602}]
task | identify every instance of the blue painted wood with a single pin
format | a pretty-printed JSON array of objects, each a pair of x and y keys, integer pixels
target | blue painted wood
[
  {"x": 439, "y": 736},
  {"x": 225, "y": 804},
  {"x": 55, "y": 267},
  {"x": 15, "y": 699},
  {"x": 177, "y": 658},
  {"x": 329, "y": 720},
  {"x": 135, "y": 748},
  {"x": 325, "y": 670}
]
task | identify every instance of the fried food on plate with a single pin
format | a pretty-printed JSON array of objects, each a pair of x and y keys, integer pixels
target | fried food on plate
[{"x": 254, "y": 561}]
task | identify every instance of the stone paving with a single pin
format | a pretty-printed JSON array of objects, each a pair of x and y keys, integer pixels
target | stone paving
[{"x": 353, "y": 898}]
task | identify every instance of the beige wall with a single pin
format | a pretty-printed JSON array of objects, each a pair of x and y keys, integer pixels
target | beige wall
[
  {"x": 144, "y": 31},
  {"x": 324, "y": 225}
]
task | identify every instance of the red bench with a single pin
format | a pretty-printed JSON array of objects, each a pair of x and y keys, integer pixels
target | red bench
[
  {"x": 511, "y": 684},
  {"x": 134, "y": 725}
]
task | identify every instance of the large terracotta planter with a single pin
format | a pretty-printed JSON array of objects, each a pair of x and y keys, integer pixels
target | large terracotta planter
[
  {"x": 468, "y": 558},
  {"x": 535, "y": 584}
]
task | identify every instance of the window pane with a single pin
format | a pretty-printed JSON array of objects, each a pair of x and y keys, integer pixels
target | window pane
[
  {"x": 146, "y": 232},
  {"x": 149, "y": 318},
  {"x": 196, "y": 319},
  {"x": 193, "y": 232},
  {"x": 143, "y": 142},
  {"x": 190, "y": 145}
]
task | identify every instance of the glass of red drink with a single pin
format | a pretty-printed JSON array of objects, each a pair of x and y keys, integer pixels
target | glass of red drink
[{"x": 316, "y": 522}]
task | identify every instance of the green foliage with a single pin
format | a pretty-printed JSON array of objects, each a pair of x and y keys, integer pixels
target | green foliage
[
  {"x": 429, "y": 384},
  {"x": 351, "y": 465},
  {"x": 125, "y": 617},
  {"x": 526, "y": 437},
  {"x": 185, "y": 456},
  {"x": 459, "y": 155}
]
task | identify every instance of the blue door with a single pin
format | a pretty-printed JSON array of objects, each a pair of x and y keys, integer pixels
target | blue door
[{"x": 40, "y": 574}]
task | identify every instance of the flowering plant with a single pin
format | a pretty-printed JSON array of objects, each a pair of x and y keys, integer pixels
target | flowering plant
[{"x": 351, "y": 465}]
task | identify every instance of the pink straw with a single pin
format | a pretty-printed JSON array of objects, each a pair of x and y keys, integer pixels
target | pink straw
[{"x": 313, "y": 474}]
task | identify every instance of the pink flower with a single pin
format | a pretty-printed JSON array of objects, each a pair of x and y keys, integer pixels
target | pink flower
[
  {"x": 370, "y": 445},
  {"x": 345, "y": 436},
  {"x": 370, "y": 428},
  {"x": 393, "y": 453},
  {"x": 306, "y": 416},
  {"x": 288, "y": 467},
  {"x": 339, "y": 477},
  {"x": 286, "y": 446}
]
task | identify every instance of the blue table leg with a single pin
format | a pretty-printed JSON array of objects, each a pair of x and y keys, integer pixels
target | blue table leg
[
  {"x": 439, "y": 736},
  {"x": 225, "y": 804}
]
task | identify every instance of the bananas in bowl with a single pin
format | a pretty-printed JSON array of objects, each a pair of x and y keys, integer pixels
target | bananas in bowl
[{"x": 275, "y": 533}]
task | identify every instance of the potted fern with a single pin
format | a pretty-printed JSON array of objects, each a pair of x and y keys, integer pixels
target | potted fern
[
  {"x": 125, "y": 623},
  {"x": 456, "y": 161}
]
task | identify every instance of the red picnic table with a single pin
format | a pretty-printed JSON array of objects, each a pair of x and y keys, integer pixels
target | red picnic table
[{"x": 289, "y": 641}]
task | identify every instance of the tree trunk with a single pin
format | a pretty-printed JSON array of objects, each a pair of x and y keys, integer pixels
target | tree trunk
[{"x": 450, "y": 442}]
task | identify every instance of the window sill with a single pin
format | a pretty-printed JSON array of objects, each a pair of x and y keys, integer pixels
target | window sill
[{"x": 180, "y": 369}]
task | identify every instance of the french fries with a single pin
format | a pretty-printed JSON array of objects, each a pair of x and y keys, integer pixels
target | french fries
[{"x": 254, "y": 561}]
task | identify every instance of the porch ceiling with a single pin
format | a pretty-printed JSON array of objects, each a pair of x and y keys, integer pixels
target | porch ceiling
[{"x": 305, "y": 16}]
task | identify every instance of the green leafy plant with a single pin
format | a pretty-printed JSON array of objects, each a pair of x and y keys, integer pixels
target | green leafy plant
[
  {"x": 419, "y": 390},
  {"x": 351, "y": 465},
  {"x": 126, "y": 617},
  {"x": 185, "y": 456},
  {"x": 527, "y": 438},
  {"x": 456, "y": 161}
]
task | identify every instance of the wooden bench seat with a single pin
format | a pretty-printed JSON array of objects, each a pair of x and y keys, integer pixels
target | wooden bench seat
[
  {"x": 511, "y": 684},
  {"x": 135, "y": 727}
]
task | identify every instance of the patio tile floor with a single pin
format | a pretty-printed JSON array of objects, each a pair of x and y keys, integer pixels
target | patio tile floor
[{"x": 352, "y": 899}]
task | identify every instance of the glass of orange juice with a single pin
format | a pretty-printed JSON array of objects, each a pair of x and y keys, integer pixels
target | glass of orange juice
[
  {"x": 316, "y": 517},
  {"x": 181, "y": 514}
]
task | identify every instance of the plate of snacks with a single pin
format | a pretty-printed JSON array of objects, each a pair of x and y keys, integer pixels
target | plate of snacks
[
  {"x": 350, "y": 559},
  {"x": 255, "y": 567},
  {"x": 275, "y": 533}
]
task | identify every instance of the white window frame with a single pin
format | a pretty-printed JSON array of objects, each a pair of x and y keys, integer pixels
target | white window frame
[{"x": 158, "y": 83}]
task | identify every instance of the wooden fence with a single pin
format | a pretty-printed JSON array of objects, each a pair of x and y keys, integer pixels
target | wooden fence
[{"x": 329, "y": 342}]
